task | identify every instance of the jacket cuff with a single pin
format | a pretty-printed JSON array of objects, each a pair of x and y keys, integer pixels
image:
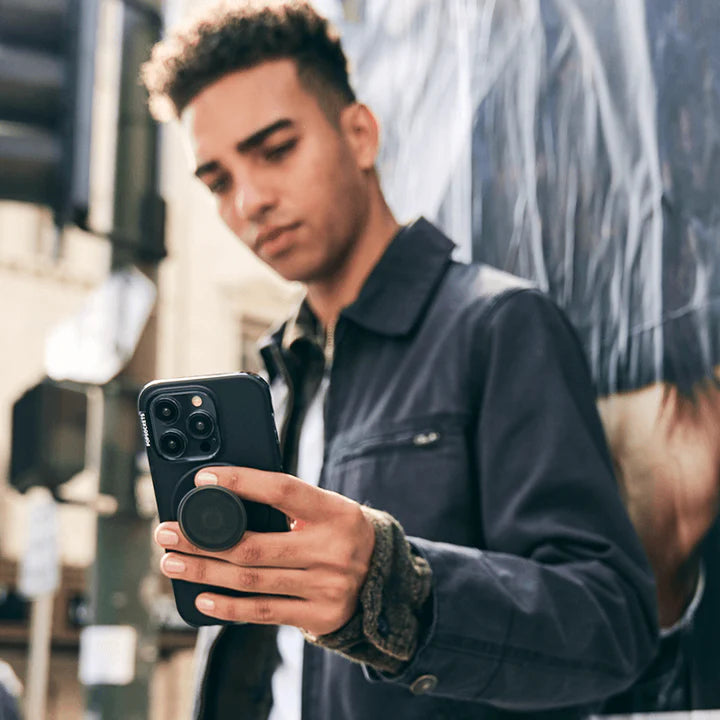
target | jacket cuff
[{"x": 385, "y": 631}]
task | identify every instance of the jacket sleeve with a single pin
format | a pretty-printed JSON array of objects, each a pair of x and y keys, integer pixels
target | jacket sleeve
[{"x": 559, "y": 608}]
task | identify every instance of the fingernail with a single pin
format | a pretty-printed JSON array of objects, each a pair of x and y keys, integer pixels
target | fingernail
[
  {"x": 204, "y": 603},
  {"x": 167, "y": 537},
  {"x": 206, "y": 478},
  {"x": 173, "y": 565}
]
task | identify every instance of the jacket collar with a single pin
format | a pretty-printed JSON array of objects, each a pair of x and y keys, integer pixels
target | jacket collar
[
  {"x": 395, "y": 293},
  {"x": 399, "y": 286}
]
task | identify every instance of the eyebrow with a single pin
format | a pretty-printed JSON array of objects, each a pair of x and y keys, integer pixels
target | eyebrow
[{"x": 247, "y": 145}]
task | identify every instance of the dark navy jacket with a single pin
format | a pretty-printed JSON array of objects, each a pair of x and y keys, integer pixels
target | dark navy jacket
[{"x": 460, "y": 402}]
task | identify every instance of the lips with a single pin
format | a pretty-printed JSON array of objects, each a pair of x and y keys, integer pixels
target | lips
[{"x": 274, "y": 240}]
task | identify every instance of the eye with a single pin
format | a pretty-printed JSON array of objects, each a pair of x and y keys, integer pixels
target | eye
[
  {"x": 279, "y": 152},
  {"x": 219, "y": 184}
]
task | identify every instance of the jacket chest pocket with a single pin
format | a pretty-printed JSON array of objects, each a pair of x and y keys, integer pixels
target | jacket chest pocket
[{"x": 419, "y": 473}]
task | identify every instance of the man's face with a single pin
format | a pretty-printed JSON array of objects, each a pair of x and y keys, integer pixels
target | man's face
[{"x": 288, "y": 183}]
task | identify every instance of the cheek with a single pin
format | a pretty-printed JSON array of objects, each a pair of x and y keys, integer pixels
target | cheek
[
  {"x": 336, "y": 192},
  {"x": 349, "y": 205},
  {"x": 324, "y": 174}
]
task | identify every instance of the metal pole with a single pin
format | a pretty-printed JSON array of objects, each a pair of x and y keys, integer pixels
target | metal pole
[
  {"x": 39, "y": 656},
  {"x": 38, "y": 579},
  {"x": 122, "y": 580}
]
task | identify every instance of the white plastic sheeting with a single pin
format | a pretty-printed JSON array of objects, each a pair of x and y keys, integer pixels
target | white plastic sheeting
[{"x": 573, "y": 142}]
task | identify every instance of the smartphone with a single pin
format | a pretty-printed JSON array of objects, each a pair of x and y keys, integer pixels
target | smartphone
[{"x": 195, "y": 422}]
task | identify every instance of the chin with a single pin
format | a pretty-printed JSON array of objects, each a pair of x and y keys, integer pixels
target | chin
[
  {"x": 291, "y": 269},
  {"x": 293, "y": 273}
]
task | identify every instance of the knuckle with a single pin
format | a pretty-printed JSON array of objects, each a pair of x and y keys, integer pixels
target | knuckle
[
  {"x": 198, "y": 571},
  {"x": 343, "y": 555},
  {"x": 262, "y": 610},
  {"x": 285, "y": 488},
  {"x": 248, "y": 579},
  {"x": 227, "y": 610},
  {"x": 248, "y": 553},
  {"x": 337, "y": 590},
  {"x": 334, "y": 594}
]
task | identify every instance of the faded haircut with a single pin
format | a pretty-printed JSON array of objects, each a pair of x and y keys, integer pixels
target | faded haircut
[{"x": 238, "y": 35}]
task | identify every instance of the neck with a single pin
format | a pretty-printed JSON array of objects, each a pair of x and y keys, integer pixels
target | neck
[{"x": 327, "y": 297}]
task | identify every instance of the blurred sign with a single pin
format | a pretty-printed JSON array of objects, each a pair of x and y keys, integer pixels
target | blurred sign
[
  {"x": 39, "y": 570},
  {"x": 107, "y": 655},
  {"x": 94, "y": 345}
]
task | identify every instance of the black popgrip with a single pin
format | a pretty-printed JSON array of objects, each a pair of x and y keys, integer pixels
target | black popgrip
[{"x": 212, "y": 518}]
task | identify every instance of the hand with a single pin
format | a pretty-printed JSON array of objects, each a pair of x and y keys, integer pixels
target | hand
[
  {"x": 666, "y": 451},
  {"x": 309, "y": 577}
]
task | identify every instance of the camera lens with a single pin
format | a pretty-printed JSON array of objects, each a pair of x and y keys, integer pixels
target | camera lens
[
  {"x": 212, "y": 518},
  {"x": 200, "y": 424},
  {"x": 167, "y": 410},
  {"x": 172, "y": 443}
]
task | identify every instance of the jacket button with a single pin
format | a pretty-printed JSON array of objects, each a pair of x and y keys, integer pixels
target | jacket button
[{"x": 423, "y": 684}]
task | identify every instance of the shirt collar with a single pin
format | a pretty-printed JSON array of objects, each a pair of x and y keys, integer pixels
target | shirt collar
[
  {"x": 302, "y": 324},
  {"x": 301, "y": 328}
]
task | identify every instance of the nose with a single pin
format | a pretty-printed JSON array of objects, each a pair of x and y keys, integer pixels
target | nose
[
  {"x": 252, "y": 201},
  {"x": 240, "y": 201}
]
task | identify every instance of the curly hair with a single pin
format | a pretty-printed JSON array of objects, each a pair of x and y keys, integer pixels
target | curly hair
[{"x": 241, "y": 34}]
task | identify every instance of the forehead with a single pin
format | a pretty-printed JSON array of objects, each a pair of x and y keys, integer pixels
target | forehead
[{"x": 245, "y": 101}]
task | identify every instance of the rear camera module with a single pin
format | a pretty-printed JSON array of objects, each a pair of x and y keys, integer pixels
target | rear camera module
[
  {"x": 200, "y": 424},
  {"x": 172, "y": 443},
  {"x": 166, "y": 409}
]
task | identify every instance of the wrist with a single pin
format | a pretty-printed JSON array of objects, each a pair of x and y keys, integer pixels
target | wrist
[{"x": 386, "y": 629}]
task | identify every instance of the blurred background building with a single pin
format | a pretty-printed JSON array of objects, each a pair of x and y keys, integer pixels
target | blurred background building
[{"x": 215, "y": 301}]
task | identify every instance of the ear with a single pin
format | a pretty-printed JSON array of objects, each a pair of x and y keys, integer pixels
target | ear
[{"x": 361, "y": 130}]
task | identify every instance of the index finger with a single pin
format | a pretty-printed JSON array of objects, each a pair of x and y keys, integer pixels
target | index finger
[
  {"x": 285, "y": 549},
  {"x": 288, "y": 494}
]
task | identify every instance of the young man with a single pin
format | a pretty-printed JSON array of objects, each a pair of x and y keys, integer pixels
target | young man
[{"x": 453, "y": 397}]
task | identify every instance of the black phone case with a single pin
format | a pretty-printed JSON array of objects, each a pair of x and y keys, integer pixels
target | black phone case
[{"x": 248, "y": 438}]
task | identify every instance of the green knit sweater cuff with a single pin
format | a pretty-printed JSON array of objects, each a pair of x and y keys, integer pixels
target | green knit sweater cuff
[{"x": 385, "y": 631}]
